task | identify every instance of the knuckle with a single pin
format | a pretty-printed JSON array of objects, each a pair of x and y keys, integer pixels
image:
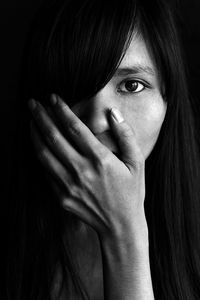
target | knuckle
[
  {"x": 85, "y": 173},
  {"x": 74, "y": 128},
  {"x": 88, "y": 175},
  {"x": 53, "y": 137},
  {"x": 74, "y": 192},
  {"x": 102, "y": 160}
]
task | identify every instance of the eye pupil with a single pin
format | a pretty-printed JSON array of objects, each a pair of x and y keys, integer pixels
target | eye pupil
[{"x": 131, "y": 85}]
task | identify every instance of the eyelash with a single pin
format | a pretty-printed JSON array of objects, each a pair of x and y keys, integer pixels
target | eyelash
[{"x": 145, "y": 85}]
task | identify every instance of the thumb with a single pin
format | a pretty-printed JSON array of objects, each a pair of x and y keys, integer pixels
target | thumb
[{"x": 130, "y": 151}]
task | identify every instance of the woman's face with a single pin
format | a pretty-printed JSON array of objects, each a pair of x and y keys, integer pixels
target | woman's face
[{"x": 135, "y": 90}]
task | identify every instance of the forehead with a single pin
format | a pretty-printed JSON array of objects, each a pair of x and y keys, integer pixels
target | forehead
[{"x": 138, "y": 54}]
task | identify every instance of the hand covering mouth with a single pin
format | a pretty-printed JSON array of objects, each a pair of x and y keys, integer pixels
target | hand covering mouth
[{"x": 107, "y": 139}]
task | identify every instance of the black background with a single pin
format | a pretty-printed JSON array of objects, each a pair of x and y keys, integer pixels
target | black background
[{"x": 15, "y": 17}]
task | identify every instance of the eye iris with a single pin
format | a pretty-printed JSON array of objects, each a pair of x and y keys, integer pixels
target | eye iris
[{"x": 131, "y": 86}]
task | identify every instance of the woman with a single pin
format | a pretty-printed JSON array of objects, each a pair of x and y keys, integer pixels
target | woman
[{"x": 108, "y": 172}]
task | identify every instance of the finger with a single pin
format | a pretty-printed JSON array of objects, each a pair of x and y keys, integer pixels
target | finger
[
  {"x": 66, "y": 190},
  {"x": 130, "y": 151},
  {"x": 53, "y": 137},
  {"x": 79, "y": 132},
  {"x": 49, "y": 161},
  {"x": 69, "y": 203},
  {"x": 66, "y": 201},
  {"x": 56, "y": 187}
]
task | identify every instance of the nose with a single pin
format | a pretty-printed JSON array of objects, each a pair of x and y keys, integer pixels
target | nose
[{"x": 95, "y": 111}]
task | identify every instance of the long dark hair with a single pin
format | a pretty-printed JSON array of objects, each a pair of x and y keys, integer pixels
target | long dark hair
[{"x": 73, "y": 49}]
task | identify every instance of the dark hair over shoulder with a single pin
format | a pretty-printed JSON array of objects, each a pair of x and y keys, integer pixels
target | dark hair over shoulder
[{"x": 73, "y": 49}]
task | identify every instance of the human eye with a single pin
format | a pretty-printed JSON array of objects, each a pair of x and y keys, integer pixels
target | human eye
[{"x": 131, "y": 86}]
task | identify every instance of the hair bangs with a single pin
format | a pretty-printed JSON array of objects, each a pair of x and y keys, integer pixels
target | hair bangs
[
  {"x": 159, "y": 30},
  {"x": 83, "y": 48}
]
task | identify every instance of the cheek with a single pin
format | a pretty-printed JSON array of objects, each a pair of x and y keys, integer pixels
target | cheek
[{"x": 147, "y": 123}]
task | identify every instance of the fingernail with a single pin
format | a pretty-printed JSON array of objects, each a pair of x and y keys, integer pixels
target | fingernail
[
  {"x": 53, "y": 99},
  {"x": 117, "y": 115},
  {"x": 32, "y": 104}
]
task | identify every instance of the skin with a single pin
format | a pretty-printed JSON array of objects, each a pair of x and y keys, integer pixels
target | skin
[
  {"x": 102, "y": 173},
  {"x": 143, "y": 111}
]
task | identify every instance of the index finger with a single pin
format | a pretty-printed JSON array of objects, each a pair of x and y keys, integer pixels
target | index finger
[{"x": 81, "y": 135}]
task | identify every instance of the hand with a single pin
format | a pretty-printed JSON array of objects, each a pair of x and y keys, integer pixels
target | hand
[{"x": 90, "y": 181}]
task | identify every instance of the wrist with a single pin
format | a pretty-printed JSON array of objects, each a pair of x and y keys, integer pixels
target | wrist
[
  {"x": 125, "y": 254},
  {"x": 127, "y": 241},
  {"x": 134, "y": 231}
]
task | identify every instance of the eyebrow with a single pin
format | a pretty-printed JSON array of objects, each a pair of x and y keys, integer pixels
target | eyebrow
[{"x": 136, "y": 69}]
